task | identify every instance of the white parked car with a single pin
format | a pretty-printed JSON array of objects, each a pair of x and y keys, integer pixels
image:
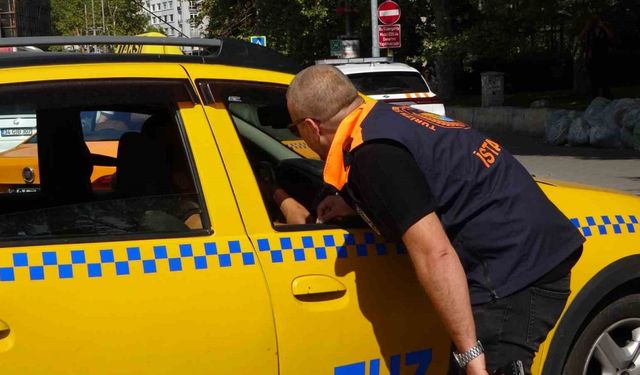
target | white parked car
[{"x": 382, "y": 79}]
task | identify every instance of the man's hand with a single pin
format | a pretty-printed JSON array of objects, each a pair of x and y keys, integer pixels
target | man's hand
[
  {"x": 333, "y": 207},
  {"x": 477, "y": 366}
]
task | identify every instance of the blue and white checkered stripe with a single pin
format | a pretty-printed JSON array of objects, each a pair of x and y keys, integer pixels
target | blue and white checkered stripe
[
  {"x": 607, "y": 225},
  {"x": 342, "y": 246},
  {"x": 47, "y": 264}
]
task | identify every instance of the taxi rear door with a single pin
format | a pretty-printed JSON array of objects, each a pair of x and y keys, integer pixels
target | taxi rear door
[
  {"x": 345, "y": 302},
  {"x": 139, "y": 301}
]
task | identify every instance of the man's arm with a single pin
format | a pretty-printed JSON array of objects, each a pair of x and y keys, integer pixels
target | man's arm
[
  {"x": 443, "y": 279},
  {"x": 393, "y": 190}
]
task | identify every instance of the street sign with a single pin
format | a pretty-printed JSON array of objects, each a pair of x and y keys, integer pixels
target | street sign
[
  {"x": 389, "y": 12},
  {"x": 335, "y": 47},
  {"x": 259, "y": 40},
  {"x": 389, "y": 36}
]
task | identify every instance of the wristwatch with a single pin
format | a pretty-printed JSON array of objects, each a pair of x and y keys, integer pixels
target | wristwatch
[{"x": 463, "y": 359}]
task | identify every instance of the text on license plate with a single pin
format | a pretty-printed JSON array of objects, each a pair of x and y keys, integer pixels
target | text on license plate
[{"x": 8, "y": 132}]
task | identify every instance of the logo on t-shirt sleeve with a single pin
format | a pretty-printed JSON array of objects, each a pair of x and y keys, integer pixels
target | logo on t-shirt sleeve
[{"x": 488, "y": 152}]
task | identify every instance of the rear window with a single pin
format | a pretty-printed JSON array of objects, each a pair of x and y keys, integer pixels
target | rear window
[
  {"x": 381, "y": 83},
  {"x": 110, "y": 158}
]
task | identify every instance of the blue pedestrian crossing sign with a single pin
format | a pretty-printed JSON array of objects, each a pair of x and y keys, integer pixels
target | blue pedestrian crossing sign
[{"x": 259, "y": 40}]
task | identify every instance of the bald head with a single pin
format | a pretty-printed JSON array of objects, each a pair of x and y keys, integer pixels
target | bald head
[{"x": 319, "y": 92}]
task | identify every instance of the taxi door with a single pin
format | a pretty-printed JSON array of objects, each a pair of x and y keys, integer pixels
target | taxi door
[
  {"x": 345, "y": 302},
  {"x": 152, "y": 303}
]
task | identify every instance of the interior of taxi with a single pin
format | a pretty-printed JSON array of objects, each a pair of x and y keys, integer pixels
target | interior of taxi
[
  {"x": 148, "y": 184},
  {"x": 261, "y": 118}
]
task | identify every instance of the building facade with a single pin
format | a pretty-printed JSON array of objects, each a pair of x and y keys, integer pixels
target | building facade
[
  {"x": 177, "y": 18},
  {"x": 25, "y": 18}
]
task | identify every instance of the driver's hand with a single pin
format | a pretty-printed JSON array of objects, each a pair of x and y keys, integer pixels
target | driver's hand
[
  {"x": 292, "y": 210},
  {"x": 331, "y": 207}
]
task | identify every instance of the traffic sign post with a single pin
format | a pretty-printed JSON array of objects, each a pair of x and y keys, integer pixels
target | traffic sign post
[
  {"x": 389, "y": 12},
  {"x": 389, "y": 36},
  {"x": 335, "y": 47},
  {"x": 259, "y": 40}
]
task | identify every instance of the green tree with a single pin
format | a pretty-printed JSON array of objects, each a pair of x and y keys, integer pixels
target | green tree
[
  {"x": 303, "y": 28},
  {"x": 77, "y": 17}
]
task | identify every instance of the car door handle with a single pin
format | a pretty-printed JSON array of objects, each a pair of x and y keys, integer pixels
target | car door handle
[
  {"x": 4, "y": 330},
  {"x": 317, "y": 285}
]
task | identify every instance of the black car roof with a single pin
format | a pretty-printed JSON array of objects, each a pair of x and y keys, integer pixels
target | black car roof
[{"x": 213, "y": 51}]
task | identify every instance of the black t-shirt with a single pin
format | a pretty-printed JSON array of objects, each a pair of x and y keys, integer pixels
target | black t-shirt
[{"x": 390, "y": 186}]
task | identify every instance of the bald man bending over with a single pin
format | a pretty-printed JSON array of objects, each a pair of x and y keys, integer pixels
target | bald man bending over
[{"x": 482, "y": 236}]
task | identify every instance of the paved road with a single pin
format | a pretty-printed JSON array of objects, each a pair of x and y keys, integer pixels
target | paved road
[{"x": 616, "y": 169}]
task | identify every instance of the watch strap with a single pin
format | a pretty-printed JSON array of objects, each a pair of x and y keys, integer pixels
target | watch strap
[{"x": 463, "y": 359}]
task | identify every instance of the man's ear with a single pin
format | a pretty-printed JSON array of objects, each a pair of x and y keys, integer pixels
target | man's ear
[{"x": 315, "y": 126}]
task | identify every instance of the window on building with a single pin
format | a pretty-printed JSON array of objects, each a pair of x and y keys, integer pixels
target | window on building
[{"x": 171, "y": 17}]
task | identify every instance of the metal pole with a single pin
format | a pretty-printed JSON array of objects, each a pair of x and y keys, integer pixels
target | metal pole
[
  {"x": 86, "y": 20},
  {"x": 93, "y": 17},
  {"x": 104, "y": 25},
  {"x": 375, "y": 49}
]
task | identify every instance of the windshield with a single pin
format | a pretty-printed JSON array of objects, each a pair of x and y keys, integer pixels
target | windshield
[{"x": 380, "y": 83}]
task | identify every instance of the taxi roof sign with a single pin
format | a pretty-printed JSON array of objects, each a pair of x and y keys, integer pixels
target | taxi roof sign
[{"x": 146, "y": 48}]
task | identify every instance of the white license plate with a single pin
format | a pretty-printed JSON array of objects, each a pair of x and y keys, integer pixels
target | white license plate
[
  {"x": 23, "y": 190},
  {"x": 12, "y": 132}
]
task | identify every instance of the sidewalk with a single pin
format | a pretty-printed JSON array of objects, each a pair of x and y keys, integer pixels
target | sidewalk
[{"x": 610, "y": 168}]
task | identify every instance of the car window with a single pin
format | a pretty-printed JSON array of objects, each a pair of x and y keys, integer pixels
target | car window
[
  {"x": 259, "y": 113},
  {"x": 106, "y": 125},
  {"x": 380, "y": 83},
  {"x": 109, "y": 159}
]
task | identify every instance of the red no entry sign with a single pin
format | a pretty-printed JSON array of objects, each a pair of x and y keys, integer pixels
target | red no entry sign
[{"x": 389, "y": 12}]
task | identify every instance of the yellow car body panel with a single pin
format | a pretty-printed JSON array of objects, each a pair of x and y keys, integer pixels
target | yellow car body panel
[
  {"x": 610, "y": 230},
  {"x": 91, "y": 71}
]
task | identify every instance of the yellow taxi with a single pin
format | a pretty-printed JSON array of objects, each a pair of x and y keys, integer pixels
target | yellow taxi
[{"x": 179, "y": 268}]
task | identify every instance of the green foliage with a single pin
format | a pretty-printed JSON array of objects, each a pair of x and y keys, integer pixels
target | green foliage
[
  {"x": 303, "y": 28},
  {"x": 122, "y": 17}
]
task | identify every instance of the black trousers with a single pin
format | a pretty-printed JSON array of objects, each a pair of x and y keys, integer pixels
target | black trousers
[{"x": 512, "y": 328}]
